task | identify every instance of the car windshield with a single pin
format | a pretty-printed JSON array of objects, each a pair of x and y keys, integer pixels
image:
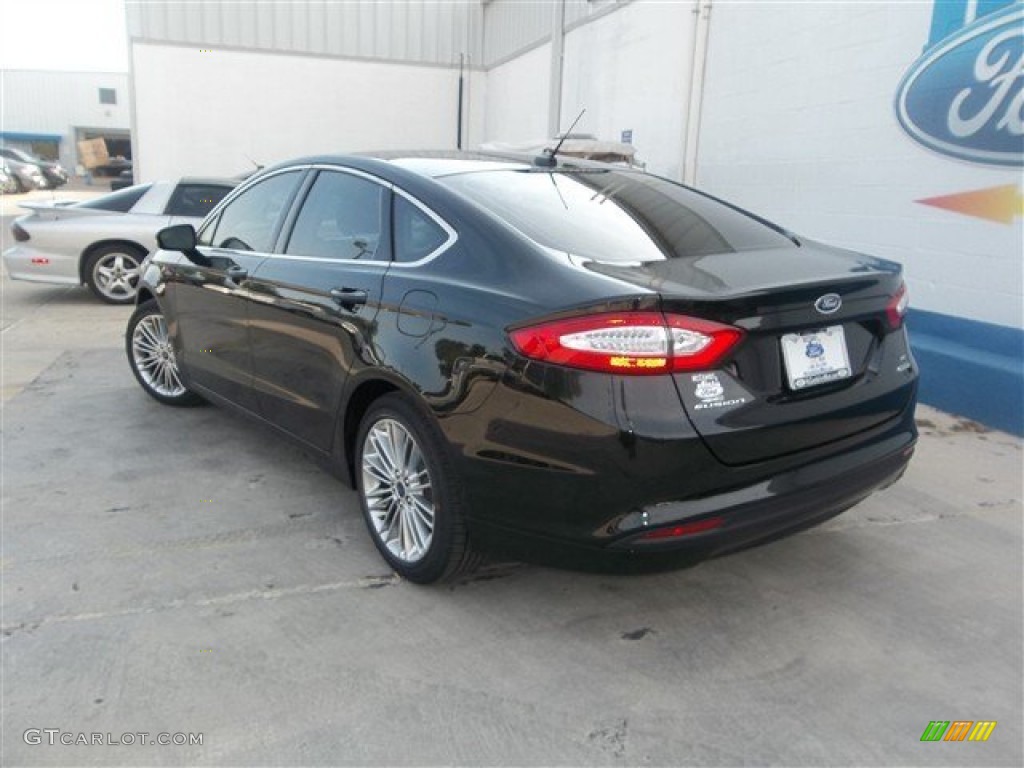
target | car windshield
[
  {"x": 615, "y": 216},
  {"x": 121, "y": 201}
]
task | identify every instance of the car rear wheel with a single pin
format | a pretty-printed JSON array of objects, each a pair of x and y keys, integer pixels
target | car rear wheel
[
  {"x": 409, "y": 497},
  {"x": 151, "y": 356},
  {"x": 112, "y": 273}
]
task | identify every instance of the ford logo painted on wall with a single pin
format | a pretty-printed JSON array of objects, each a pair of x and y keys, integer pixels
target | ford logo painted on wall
[
  {"x": 828, "y": 304},
  {"x": 965, "y": 96}
]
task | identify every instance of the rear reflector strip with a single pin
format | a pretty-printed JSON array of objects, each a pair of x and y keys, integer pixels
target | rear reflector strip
[
  {"x": 685, "y": 529},
  {"x": 40, "y": 260}
]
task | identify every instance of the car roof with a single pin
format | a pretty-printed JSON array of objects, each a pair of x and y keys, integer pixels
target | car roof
[
  {"x": 435, "y": 163},
  {"x": 228, "y": 182},
  {"x": 438, "y": 163}
]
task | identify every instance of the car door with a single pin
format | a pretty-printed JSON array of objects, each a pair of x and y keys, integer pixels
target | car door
[
  {"x": 314, "y": 302},
  {"x": 210, "y": 299}
]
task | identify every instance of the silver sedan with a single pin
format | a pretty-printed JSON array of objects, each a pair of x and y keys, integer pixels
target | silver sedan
[{"x": 102, "y": 242}]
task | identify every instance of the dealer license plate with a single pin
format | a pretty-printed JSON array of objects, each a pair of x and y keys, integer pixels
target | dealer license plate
[{"x": 816, "y": 357}]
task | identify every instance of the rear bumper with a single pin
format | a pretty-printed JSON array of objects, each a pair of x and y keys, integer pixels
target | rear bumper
[
  {"x": 787, "y": 503},
  {"x": 593, "y": 473},
  {"x": 24, "y": 262}
]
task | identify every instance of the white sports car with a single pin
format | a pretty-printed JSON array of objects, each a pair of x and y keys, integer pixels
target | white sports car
[{"x": 102, "y": 242}]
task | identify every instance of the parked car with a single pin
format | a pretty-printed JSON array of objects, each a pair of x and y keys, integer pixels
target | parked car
[
  {"x": 102, "y": 242},
  {"x": 573, "y": 361},
  {"x": 115, "y": 167},
  {"x": 54, "y": 173},
  {"x": 27, "y": 176},
  {"x": 124, "y": 179},
  {"x": 8, "y": 184}
]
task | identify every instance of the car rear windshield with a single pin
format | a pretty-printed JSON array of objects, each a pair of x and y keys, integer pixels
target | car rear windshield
[
  {"x": 121, "y": 201},
  {"x": 17, "y": 154},
  {"x": 615, "y": 216}
]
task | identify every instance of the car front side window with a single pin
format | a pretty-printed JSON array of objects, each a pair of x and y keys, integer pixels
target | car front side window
[
  {"x": 249, "y": 222},
  {"x": 341, "y": 218}
]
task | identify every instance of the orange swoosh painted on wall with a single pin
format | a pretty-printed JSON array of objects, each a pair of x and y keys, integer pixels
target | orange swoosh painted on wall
[{"x": 999, "y": 204}]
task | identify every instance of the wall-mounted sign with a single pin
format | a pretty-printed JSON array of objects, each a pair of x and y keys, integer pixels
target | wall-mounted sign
[{"x": 965, "y": 96}]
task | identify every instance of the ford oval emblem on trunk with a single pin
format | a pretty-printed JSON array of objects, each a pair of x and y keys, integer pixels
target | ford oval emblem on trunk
[{"x": 829, "y": 303}]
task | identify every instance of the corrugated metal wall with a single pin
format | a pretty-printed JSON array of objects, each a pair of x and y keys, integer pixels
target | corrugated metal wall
[
  {"x": 62, "y": 102},
  {"x": 414, "y": 31},
  {"x": 52, "y": 102},
  {"x": 512, "y": 26}
]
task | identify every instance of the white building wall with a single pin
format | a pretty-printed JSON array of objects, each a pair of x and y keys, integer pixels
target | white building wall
[
  {"x": 517, "y": 104},
  {"x": 631, "y": 70},
  {"x": 799, "y": 126},
  {"x": 207, "y": 112},
  {"x": 36, "y": 101}
]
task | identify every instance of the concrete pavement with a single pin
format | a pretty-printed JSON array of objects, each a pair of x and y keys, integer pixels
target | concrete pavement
[{"x": 184, "y": 571}]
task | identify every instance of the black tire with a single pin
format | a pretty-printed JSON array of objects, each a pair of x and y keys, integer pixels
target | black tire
[
  {"x": 448, "y": 553},
  {"x": 149, "y": 356},
  {"x": 120, "y": 283},
  {"x": 21, "y": 188}
]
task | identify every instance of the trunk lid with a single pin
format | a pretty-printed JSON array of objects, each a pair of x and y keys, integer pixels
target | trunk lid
[{"x": 845, "y": 371}]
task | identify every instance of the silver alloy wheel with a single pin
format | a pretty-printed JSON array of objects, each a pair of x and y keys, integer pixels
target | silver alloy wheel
[
  {"x": 116, "y": 275},
  {"x": 397, "y": 491},
  {"x": 154, "y": 357}
]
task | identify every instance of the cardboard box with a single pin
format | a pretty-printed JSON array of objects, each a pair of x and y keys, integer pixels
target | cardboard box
[{"x": 93, "y": 153}]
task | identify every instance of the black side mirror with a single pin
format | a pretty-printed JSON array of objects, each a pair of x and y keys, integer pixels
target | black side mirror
[{"x": 181, "y": 237}]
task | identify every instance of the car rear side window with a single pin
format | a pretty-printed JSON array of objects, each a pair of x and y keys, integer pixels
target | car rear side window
[
  {"x": 248, "y": 222},
  {"x": 121, "y": 201},
  {"x": 341, "y": 218},
  {"x": 615, "y": 216},
  {"x": 417, "y": 234},
  {"x": 195, "y": 200}
]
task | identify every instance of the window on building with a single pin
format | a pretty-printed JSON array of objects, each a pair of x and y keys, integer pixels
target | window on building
[{"x": 108, "y": 96}]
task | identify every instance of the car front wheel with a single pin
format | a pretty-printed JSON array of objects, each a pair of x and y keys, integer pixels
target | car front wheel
[
  {"x": 152, "y": 359},
  {"x": 408, "y": 493}
]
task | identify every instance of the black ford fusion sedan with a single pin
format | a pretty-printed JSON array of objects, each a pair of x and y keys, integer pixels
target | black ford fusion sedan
[{"x": 558, "y": 358}]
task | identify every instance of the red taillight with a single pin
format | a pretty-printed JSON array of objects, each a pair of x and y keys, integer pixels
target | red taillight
[
  {"x": 629, "y": 342},
  {"x": 685, "y": 529},
  {"x": 896, "y": 309},
  {"x": 19, "y": 232}
]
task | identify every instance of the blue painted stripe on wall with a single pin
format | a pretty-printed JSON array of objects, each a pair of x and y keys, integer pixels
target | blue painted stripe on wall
[
  {"x": 21, "y": 136},
  {"x": 970, "y": 368}
]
